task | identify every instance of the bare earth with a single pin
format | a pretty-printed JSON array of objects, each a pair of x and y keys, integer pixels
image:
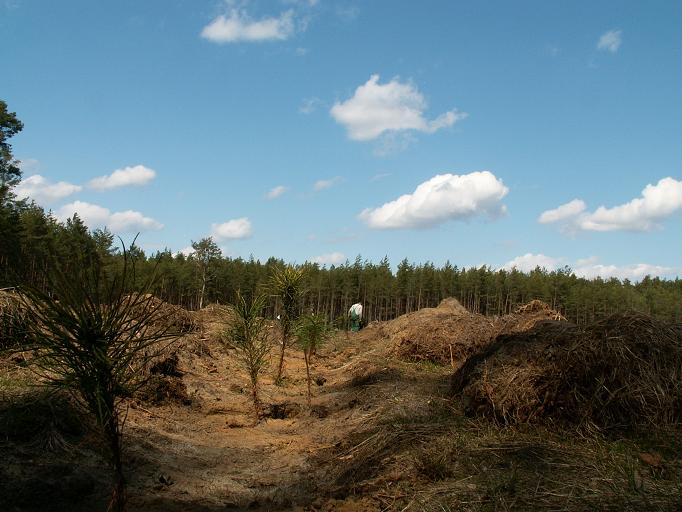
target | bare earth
[{"x": 382, "y": 433}]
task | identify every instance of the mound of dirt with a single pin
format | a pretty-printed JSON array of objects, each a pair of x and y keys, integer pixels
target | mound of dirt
[
  {"x": 160, "y": 389},
  {"x": 213, "y": 322},
  {"x": 621, "y": 372},
  {"x": 175, "y": 318},
  {"x": 449, "y": 334},
  {"x": 13, "y": 319},
  {"x": 168, "y": 367},
  {"x": 213, "y": 313},
  {"x": 42, "y": 418},
  {"x": 526, "y": 316},
  {"x": 444, "y": 335}
]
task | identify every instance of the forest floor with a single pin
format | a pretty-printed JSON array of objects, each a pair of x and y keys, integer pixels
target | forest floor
[{"x": 381, "y": 434}]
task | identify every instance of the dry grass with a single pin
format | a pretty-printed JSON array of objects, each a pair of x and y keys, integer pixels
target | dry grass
[
  {"x": 444, "y": 335},
  {"x": 624, "y": 372},
  {"x": 13, "y": 320},
  {"x": 176, "y": 318},
  {"x": 447, "y": 462},
  {"x": 40, "y": 418},
  {"x": 449, "y": 334}
]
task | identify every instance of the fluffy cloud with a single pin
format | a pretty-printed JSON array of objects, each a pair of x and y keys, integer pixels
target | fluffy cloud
[
  {"x": 42, "y": 191},
  {"x": 590, "y": 268},
  {"x": 377, "y": 108},
  {"x": 276, "y": 192},
  {"x": 186, "y": 251},
  {"x": 634, "y": 272},
  {"x": 325, "y": 184},
  {"x": 232, "y": 229},
  {"x": 644, "y": 213},
  {"x": 238, "y": 26},
  {"x": 563, "y": 212},
  {"x": 610, "y": 41},
  {"x": 530, "y": 261},
  {"x": 128, "y": 176},
  {"x": 444, "y": 197},
  {"x": 332, "y": 258},
  {"x": 95, "y": 216}
]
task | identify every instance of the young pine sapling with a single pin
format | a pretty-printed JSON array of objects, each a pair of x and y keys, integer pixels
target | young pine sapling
[
  {"x": 312, "y": 331},
  {"x": 287, "y": 284},
  {"x": 248, "y": 334},
  {"x": 96, "y": 341}
]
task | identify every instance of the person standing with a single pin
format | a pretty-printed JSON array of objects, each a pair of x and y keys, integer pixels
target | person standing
[{"x": 355, "y": 314}]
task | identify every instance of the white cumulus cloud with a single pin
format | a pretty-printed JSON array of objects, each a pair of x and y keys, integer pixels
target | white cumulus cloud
[
  {"x": 238, "y": 26},
  {"x": 276, "y": 192},
  {"x": 232, "y": 229},
  {"x": 530, "y": 261},
  {"x": 590, "y": 268},
  {"x": 135, "y": 175},
  {"x": 42, "y": 191},
  {"x": 439, "y": 199},
  {"x": 376, "y": 109},
  {"x": 563, "y": 212},
  {"x": 635, "y": 272},
  {"x": 332, "y": 258},
  {"x": 95, "y": 216},
  {"x": 610, "y": 41},
  {"x": 186, "y": 251},
  {"x": 644, "y": 213}
]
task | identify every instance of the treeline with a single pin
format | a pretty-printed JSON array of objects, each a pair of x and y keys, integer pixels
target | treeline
[{"x": 36, "y": 245}]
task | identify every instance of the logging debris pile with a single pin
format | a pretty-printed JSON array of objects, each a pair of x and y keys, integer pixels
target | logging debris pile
[
  {"x": 164, "y": 383},
  {"x": 443, "y": 335},
  {"x": 13, "y": 319},
  {"x": 448, "y": 334},
  {"x": 175, "y": 318},
  {"x": 624, "y": 371},
  {"x": 526, "y": 316}
]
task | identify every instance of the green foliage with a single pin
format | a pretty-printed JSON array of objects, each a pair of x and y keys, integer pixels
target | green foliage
[
  {"x": 96, "y": 341},
  {"x": 32, "y": 240},
  {"x": 312, "y": 331},
  {"x": 248, "y": 334},
  {"x": 206, "y": 253},
  {"x": 288, "y": 285},
  {"x": 10, "y": 173}
]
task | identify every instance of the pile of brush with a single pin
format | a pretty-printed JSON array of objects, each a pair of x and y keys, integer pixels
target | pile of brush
[
  {"x": 13, "y": 319},
  {"x": 444, "y": 335},
  {"x": 177, "y": 319},
  {"x": 449, "y": 334},
  {"x": 622, "y": 372}
]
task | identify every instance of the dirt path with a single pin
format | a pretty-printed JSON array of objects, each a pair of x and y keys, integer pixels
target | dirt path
[{"x": 215, "y": 459}]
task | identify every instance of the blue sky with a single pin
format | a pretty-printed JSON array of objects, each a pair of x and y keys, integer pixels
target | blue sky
[{"x": 434, "y": 131}]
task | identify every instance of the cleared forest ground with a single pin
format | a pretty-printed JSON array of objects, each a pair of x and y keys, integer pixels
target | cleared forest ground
[{"x": 384, "y": 432}]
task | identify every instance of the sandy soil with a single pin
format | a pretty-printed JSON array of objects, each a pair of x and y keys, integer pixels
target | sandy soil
[
  {"x": 210, "y": 455},
  {"x": 382, "y": 433},
  {"x": 216, "y": 458}
]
